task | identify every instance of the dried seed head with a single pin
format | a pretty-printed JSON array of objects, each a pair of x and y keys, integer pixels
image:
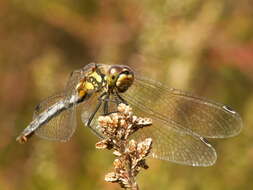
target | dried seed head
[
  {"x": 122, "y": 124},
  {"x": 117, "y": 127}
]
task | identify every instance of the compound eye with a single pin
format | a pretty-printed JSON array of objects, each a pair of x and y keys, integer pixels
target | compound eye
[{"x": 113, "y": 77}]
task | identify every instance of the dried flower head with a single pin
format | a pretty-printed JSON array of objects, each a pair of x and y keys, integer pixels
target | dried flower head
[
  {"x": 116, "y": 128},
  {"x": 121, "y": 124}
]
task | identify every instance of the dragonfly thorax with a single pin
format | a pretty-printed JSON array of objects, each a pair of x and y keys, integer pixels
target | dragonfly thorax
[{"x": 92, "y": 82}]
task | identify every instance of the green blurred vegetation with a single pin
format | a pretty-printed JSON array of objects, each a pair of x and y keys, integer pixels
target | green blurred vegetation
[{"x": 201, "y": 46}]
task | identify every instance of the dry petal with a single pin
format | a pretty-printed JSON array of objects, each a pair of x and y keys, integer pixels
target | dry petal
[
  {"x": 101, "y": 145},
  {"x": 111, "y": 177},
  {"x": 144, "y": 121},
  {"x": 121, "y": 108},
  {"x": 117, "y": 153},
  {"x": 117, "y": 163},
  {"x": 144, "y": 147},
  {"x": 132, "y": 145}
]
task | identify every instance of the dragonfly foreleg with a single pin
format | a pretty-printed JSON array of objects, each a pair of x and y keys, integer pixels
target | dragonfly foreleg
[
  {"x": 105, "y": 99},
  {"x": 106, "y": 104},
  {"x": 115, "y": 100},
  {"x": 119, "y": 99}
]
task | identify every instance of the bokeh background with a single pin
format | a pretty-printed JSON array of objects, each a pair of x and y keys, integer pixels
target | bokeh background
[{"x": 205, "y": 47}]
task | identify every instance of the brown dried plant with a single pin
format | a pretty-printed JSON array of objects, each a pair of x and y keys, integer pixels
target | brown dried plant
[{"x": 130, "y": 155}]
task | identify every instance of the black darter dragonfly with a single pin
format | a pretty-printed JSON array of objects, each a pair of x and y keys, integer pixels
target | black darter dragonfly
[{"x": 180, "y": 122}]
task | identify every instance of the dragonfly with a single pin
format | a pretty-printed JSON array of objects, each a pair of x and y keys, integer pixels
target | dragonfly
[{"x": 181, "y": 122}]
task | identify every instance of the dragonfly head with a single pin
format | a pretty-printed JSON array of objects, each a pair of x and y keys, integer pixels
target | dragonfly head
[{"x": 120, "y": 77}]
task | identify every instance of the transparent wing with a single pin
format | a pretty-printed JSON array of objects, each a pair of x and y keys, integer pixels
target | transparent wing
[
  {"x": 176, "y": 146},
  {"x": 191, "y": 113},
  {"x": 88, "y": 108},
  {"x": 62, "y": 126},
  {"x": 168, "y": 143}
]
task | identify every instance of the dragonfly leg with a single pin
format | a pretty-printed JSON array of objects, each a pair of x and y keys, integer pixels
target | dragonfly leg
[
  {"x": 116, "y": 100},
  {"x": 104, "y": 98},
  {"x": 106, "y": 104},
  {"x": 119, "y": 99}
]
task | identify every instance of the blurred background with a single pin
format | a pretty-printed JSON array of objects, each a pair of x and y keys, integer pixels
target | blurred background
[{"x": 205, "y": 47}]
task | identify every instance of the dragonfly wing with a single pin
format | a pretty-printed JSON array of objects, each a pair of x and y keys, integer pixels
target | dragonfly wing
[
  {"x": 168, "y": 143},
  {"x": 176, "y": 146},
  {"x": 192, "y": 113},
  {"x": 88, "y": 108},
  {"x": 62, "y": 126}
]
